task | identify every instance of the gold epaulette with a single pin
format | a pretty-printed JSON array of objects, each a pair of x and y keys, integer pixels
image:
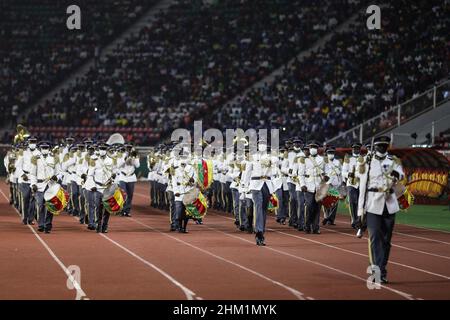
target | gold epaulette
[
  {"x": 347, "y": 158},
  {"x": 361, "y": 159},
  {"x": 34, "y": 160},
  {"x": 114, "y": 161},
  {"x": 397, "y": 160},
  {"x": 66, "y": 157},
  {"x": 91, "y": 162},
  {"x": 325, "y": 159},
  {"x": 301, "y": 160},
  {"x": 362, "y": 168}
]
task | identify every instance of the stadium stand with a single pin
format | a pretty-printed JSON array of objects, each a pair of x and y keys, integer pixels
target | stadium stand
[
  {"x": 193, "y": 58},
  {"x": 355, "y": 76},
  {"x": 37, "y": 50}
]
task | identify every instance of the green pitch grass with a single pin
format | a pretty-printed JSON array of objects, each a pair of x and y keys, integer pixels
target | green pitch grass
[{"x": 433, "y": 217}]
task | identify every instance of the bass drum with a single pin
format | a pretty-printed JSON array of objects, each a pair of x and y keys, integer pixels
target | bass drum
[{"x": 56, "y": 199}]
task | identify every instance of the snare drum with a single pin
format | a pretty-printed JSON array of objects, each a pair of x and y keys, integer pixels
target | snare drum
[
  {"x": 331, "y": 199},
  {"x": 195, "y": 203},
  {"x": 113, "y": 199},
  {"x": 56, "y": 199}
]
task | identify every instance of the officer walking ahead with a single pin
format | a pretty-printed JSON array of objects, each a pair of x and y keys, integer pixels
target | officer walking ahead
[{"x": 379, "y": 203}]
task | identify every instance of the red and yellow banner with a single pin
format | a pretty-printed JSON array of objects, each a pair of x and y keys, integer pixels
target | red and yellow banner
[
  {"x": 197, "y": 209},
  {"x": 205, "y": 174}
]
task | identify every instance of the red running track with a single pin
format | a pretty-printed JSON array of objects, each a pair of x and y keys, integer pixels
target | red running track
[{"x": 140, "y": 259}]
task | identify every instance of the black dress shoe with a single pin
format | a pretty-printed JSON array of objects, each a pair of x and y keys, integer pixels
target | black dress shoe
[
  {"x": 91, "y": 228},
  {"x": 260, "y": 241},
  {"x": 300, "y": 229},
  {"x": 331, "y": 223},
  {"x": 384, "y": 280},
  {"x": 172, "y": 228},
  {"x": 105, "y": 231},
  {"x": 24, "y": 222},
  {"x": 47, "y": 231},
  {"x": 307, "y": 231},
  {"x": 242, "y": 228},
  {"x": 324, "y": 221},
  {"x": 40, "y": 229},
  {"x": 316, "y": 232}
]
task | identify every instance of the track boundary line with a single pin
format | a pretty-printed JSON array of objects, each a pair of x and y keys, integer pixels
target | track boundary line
[
  {"x": 81, "y": 295},
  {"x": 409, "y": 225},
  {"x": 410, "y": 235},
  {"x": 394, "y": 245},
  {"x": 299, "y": 295}
]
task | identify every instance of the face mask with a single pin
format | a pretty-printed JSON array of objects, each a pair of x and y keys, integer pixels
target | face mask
[
  {"x": 296, "y": 149},
  {"x": 102, "y": 153},
  {"x": 330, "y": 156},
  {"x": 313, "y": 151},
  {"x": 45, "y": 151},
  {"x": 32, "y": 146},
  {"x": 262, "y": 148},
  {"x": 381, "y": 150}
]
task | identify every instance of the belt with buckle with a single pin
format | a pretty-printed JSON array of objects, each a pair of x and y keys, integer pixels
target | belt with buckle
[{"x": 261, "y": 178}]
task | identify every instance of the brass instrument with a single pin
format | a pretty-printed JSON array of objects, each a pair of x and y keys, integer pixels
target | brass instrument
[{"x": 22, "y": 134}]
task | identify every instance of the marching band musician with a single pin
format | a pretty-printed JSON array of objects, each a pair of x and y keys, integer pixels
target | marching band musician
[
  {"x": 103, "y": 170},
  {"x": 258, "y": 178},
  {"x": 88, "y": 186},
  {"x": 10, "y": 165},
  {"x": 378, "y": 202},
  {"x": 79, "y": 170},
  {"x": 333, "y": 169},
  {"x": 245, "y": 197},
  {"x": 311, "y": 174},
  {"x": 42, "y": 174},
  {"x": 293, "y": 154},
  {"x": 24, "y": 166},
  {"x": 151, "y": 162},
  {"x": 300, "y": 195},
  {"x": 169, "y": 171},
  {"x": 183, "y": 181},
  {"x": 127, "y": 164},
  {"x": 280, "y": 185},
  {"x": 351, "y": 180},
  {"x": 282, "y": 212},
  {"x": 235, "y": 175}
]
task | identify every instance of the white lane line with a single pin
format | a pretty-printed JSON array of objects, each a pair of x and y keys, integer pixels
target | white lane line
[
  {"x": 394, "y": 245},
  {"x": 190, "y": 295},
  {"x": 299, "y": 295},
  {"x": 401, "y": 293},
  {"x": 81, "y": 295},
  {"x": 423, "y": 238}
]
